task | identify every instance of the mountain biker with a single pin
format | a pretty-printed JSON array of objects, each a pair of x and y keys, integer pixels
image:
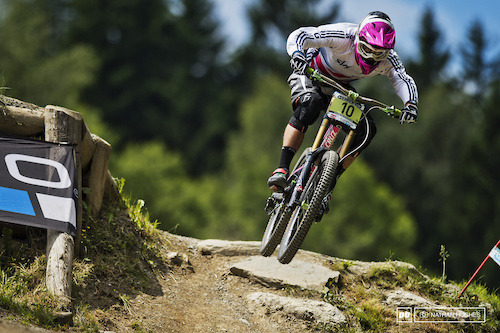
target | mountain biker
[{"x": 345, "y": 52}]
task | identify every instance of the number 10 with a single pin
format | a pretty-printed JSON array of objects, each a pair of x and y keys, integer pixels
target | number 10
[{"x": 347, "y": 109}]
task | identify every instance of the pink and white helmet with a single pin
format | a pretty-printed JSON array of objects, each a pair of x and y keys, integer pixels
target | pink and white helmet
[{"x": 375, "y": 38}]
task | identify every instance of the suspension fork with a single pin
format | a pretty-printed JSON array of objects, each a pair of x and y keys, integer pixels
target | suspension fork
[
  {"x": 321, "y": 133},
  {"x": 343, "y": 151},
  {"x": 347, "y": 144},
  {"x": 304, "y": 175}
]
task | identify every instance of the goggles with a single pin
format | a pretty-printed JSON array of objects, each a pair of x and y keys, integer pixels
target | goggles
[{"x": 368, "y": 51}]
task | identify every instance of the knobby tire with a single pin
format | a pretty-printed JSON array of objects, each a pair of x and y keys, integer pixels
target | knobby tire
[
  {"x": 279, "y": 217},
  {"x": 306, "y": 211}
]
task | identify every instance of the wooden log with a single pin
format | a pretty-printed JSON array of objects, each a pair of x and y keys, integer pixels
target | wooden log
[
  {"x": 63, "y": 126},
  {"x": 111, "y": 192},
  {"x": 21, "y": 121},
  {"x": 59, "y": 275},
  {"x": 98, "y": 173},
  {"x": 87, "y": 147}
]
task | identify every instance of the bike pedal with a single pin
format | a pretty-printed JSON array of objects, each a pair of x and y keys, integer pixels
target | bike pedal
[
  {"x": 270, "y": 204},
  {"x": 272, "y": 201}
]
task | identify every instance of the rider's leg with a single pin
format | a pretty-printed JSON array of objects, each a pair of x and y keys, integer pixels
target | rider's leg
[
  {"x": 307, "y": 103},
  {"x": 307, "y": 108},
  {"x": 292, "y": 140},
  {"x": 292, "y": 137}
]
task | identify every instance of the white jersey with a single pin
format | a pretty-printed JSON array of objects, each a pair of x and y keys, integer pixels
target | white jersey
[{"x": 336, "y": 57}]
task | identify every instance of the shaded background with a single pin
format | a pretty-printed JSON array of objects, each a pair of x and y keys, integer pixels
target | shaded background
[{"x": 192, "y": 95}]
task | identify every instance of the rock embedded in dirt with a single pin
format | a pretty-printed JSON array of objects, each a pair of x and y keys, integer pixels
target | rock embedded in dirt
[
  {"x": 229, "y": 248},
  {"x": 364, "y": 268},
  {"x": 397, "y": 298},
  {"x": 270, "y": 273},
  {"x": 14, "y": 327},
  {"x": 178, "y": 258},
  {"x": 318, "y": 312},
  {"x": 181, "y": 260}
]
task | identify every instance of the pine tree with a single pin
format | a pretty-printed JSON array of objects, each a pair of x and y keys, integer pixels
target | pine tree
[
  {"x": 35, "y": 64},
  {"x": 475, "y": 66},
  {"x": 433, "y": 55},
  {"x": 160, "y": 76},
  {"x": 130, "y": 40},
  {"x": 271, "y": 23}
]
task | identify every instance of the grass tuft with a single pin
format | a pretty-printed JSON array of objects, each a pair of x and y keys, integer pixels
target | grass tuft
[{"x": 120, "y": 251}]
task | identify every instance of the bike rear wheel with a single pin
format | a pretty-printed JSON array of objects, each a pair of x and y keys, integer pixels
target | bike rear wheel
[
  {"x": 306, "y": 211},
  {"x": 280, "y": 215}
]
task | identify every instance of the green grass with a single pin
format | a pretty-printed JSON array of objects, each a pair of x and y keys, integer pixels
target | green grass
[
  {"x": 120, "y": 247},
  {"x": 121, "y": 257},
  {"x": 372, "y": 317},
  {"x": 23, "y": 292},
  {"x": 361, "y": 298}
]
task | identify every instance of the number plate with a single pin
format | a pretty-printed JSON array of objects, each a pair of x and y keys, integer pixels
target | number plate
[{"x": 345, "y": 108}]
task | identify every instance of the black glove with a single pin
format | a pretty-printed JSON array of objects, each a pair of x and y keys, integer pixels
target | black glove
[
  {"x": 299, "y": 63},
  {"x": 409, "y": 113}
]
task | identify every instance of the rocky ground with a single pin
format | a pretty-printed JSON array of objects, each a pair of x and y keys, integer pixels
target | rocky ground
[
  {"x": 221, "y": 286},
  {"x": 207, "y": 292}
]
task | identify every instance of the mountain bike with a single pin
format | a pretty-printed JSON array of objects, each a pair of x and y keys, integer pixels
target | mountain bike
[{"x": 312, "y": 180}]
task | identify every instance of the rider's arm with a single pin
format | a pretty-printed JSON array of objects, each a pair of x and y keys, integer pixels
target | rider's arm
[
  {"x": 331, "y": 35},
  {"x": 403, "y": 84}
]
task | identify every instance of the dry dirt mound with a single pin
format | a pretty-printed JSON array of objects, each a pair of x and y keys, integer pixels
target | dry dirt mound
[
  {"x": 201, "y": 295},
  {"x": 207, "y": 290}
]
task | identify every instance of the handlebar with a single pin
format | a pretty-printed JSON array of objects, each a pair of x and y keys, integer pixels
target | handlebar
[{"x": 390, "y": 110}]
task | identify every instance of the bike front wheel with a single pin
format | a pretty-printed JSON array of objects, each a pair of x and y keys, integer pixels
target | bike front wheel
[
  {"x": 306, "y": 211},
  {"x": 279, "y": 215}
]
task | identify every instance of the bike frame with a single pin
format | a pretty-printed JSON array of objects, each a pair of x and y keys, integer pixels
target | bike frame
[
  {"x": 304, "y": 175},
  {"x": 328, "y": 131}
]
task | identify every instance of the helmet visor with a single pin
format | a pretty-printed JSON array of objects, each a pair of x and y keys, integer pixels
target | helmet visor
[{"x": 368, "y": 51}]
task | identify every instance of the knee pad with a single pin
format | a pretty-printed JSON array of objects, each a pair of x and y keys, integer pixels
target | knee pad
[{"x": 306, "y": 109}]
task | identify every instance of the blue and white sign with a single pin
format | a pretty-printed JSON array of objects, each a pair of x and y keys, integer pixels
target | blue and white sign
[
  {"x": 37, "y": 184},
  {"x": 495, "y": 255}
]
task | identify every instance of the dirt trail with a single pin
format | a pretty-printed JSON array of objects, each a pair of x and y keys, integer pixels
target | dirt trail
[{"x": 210, "y": 299}]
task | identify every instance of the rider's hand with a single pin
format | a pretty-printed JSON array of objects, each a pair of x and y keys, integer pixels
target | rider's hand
[
  {"x": 299, "y": 63},
  {"x": 409, "y": 113}
]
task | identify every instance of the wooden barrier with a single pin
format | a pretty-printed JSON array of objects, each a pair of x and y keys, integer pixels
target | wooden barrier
[
  {"x": 19, "y": 118},
  {"x": 97, "y": 174},
  {"x": 63, "y": 126},
  {"x": 60, "y": 125}
]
